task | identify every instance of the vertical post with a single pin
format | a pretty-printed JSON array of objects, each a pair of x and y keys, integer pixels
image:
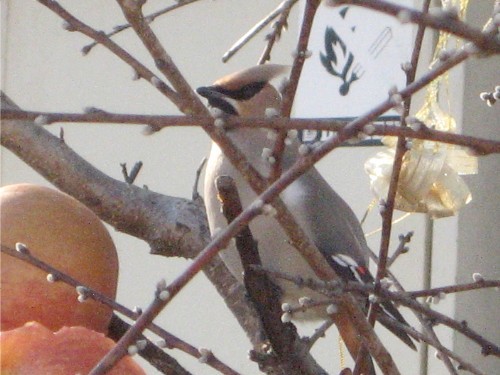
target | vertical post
[{"x": 427, "y": 273}]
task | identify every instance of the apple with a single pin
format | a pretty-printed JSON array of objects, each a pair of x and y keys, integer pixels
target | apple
[
  {"x": 64, "y": 233},
  {"x": 35, "y": 350}
]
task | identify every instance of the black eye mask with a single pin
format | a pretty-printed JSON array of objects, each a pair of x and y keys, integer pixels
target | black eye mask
[
  {"x": 215, "y": 95},
  {"x": 244, "y": 93}
]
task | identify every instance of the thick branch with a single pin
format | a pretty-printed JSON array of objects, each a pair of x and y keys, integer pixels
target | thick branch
[
  {"x": 171, "y": 226},
  {"x": 291, "y": 354}
]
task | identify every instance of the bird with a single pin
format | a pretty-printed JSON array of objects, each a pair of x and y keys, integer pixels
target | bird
[{"x": 325, "y": 217}]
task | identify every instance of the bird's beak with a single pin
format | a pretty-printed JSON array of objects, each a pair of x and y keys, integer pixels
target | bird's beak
[
  {"x": 209, "y": 92},
  {"x": 217, "y": 99}
]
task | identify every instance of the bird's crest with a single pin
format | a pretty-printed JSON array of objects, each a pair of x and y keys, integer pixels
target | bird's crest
[{"x": 258, "y": 73}]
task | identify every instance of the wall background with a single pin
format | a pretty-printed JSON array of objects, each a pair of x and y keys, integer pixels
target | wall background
[{"x": 43, "y": 69}]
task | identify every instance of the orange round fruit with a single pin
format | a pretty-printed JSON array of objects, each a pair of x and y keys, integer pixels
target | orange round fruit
[
  {"x": 35, "y": 350},
  {"x": 64, "y": 233}
]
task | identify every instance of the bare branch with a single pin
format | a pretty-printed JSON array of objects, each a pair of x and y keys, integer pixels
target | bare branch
[
  {"x": 334, "y": 289},
  {"x": 152, "y": 353},
  {"x": 130, "y": 178},
  {"x": 463, "y": 364},
  {"x": 281, "y": 10},
  {"x": 479, "y": 146},
  {"x": 101, "y": 38},
  {"x": 180, "y": 228},
  {"x": 401, "y": 249},
  {"x": 195, "y": 196},
  {"x": 167, "y": 293},
  {"x": 149, "y": 18},
  {"x": 387, "y": 210},
  {"x": 457, "y": 288},
  {"x": 446, "y": 21},
  {"x": 293, "y": 82},
  {"x": 187, "y": 101},
  {"x": 285, "y": 8}
]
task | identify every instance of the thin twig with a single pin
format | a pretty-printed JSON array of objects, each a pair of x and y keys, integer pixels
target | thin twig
[
  {"x": 285, "y": 8},
  {"x": 143, "y": 72},
  {"x": 390, "y": 202},
  {"x": 457, "y": 288},
  {"x": 240, "y": 43},
  {"x": 401, "y": 249},
  {"x": 130, "y": 177},
  {"x": 463, "y": 364},
  {"x": 188, "y": 102},
  {"x": 149, "y": 18},
  {"x": 318, "y": 333},
  {"x": 335, "y": 289},
  {"x": 151, "y": 352},
  {"x": 487, "y": 347},
  {"x": 479, "y": 146},
  {"x": 427, "y": 324}
]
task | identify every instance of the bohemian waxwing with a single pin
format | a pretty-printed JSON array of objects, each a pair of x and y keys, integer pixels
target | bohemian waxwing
[{"x": 322, "y": 213}]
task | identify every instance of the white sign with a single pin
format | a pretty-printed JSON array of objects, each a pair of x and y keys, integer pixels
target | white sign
[{"x": 356, "y": 58}]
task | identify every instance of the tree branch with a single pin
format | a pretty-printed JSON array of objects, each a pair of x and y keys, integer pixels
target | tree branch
[
  {"x": 285, "y": 7},
  {"x": 290, "y": 90},
  {"x": 180, "y": 227},
  {"x": 188, "y": 102},
  {"x": 479, "y": 146}
]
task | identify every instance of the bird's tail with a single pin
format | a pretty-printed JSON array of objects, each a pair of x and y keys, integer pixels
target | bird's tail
[{"x": 391, "y": 312}]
